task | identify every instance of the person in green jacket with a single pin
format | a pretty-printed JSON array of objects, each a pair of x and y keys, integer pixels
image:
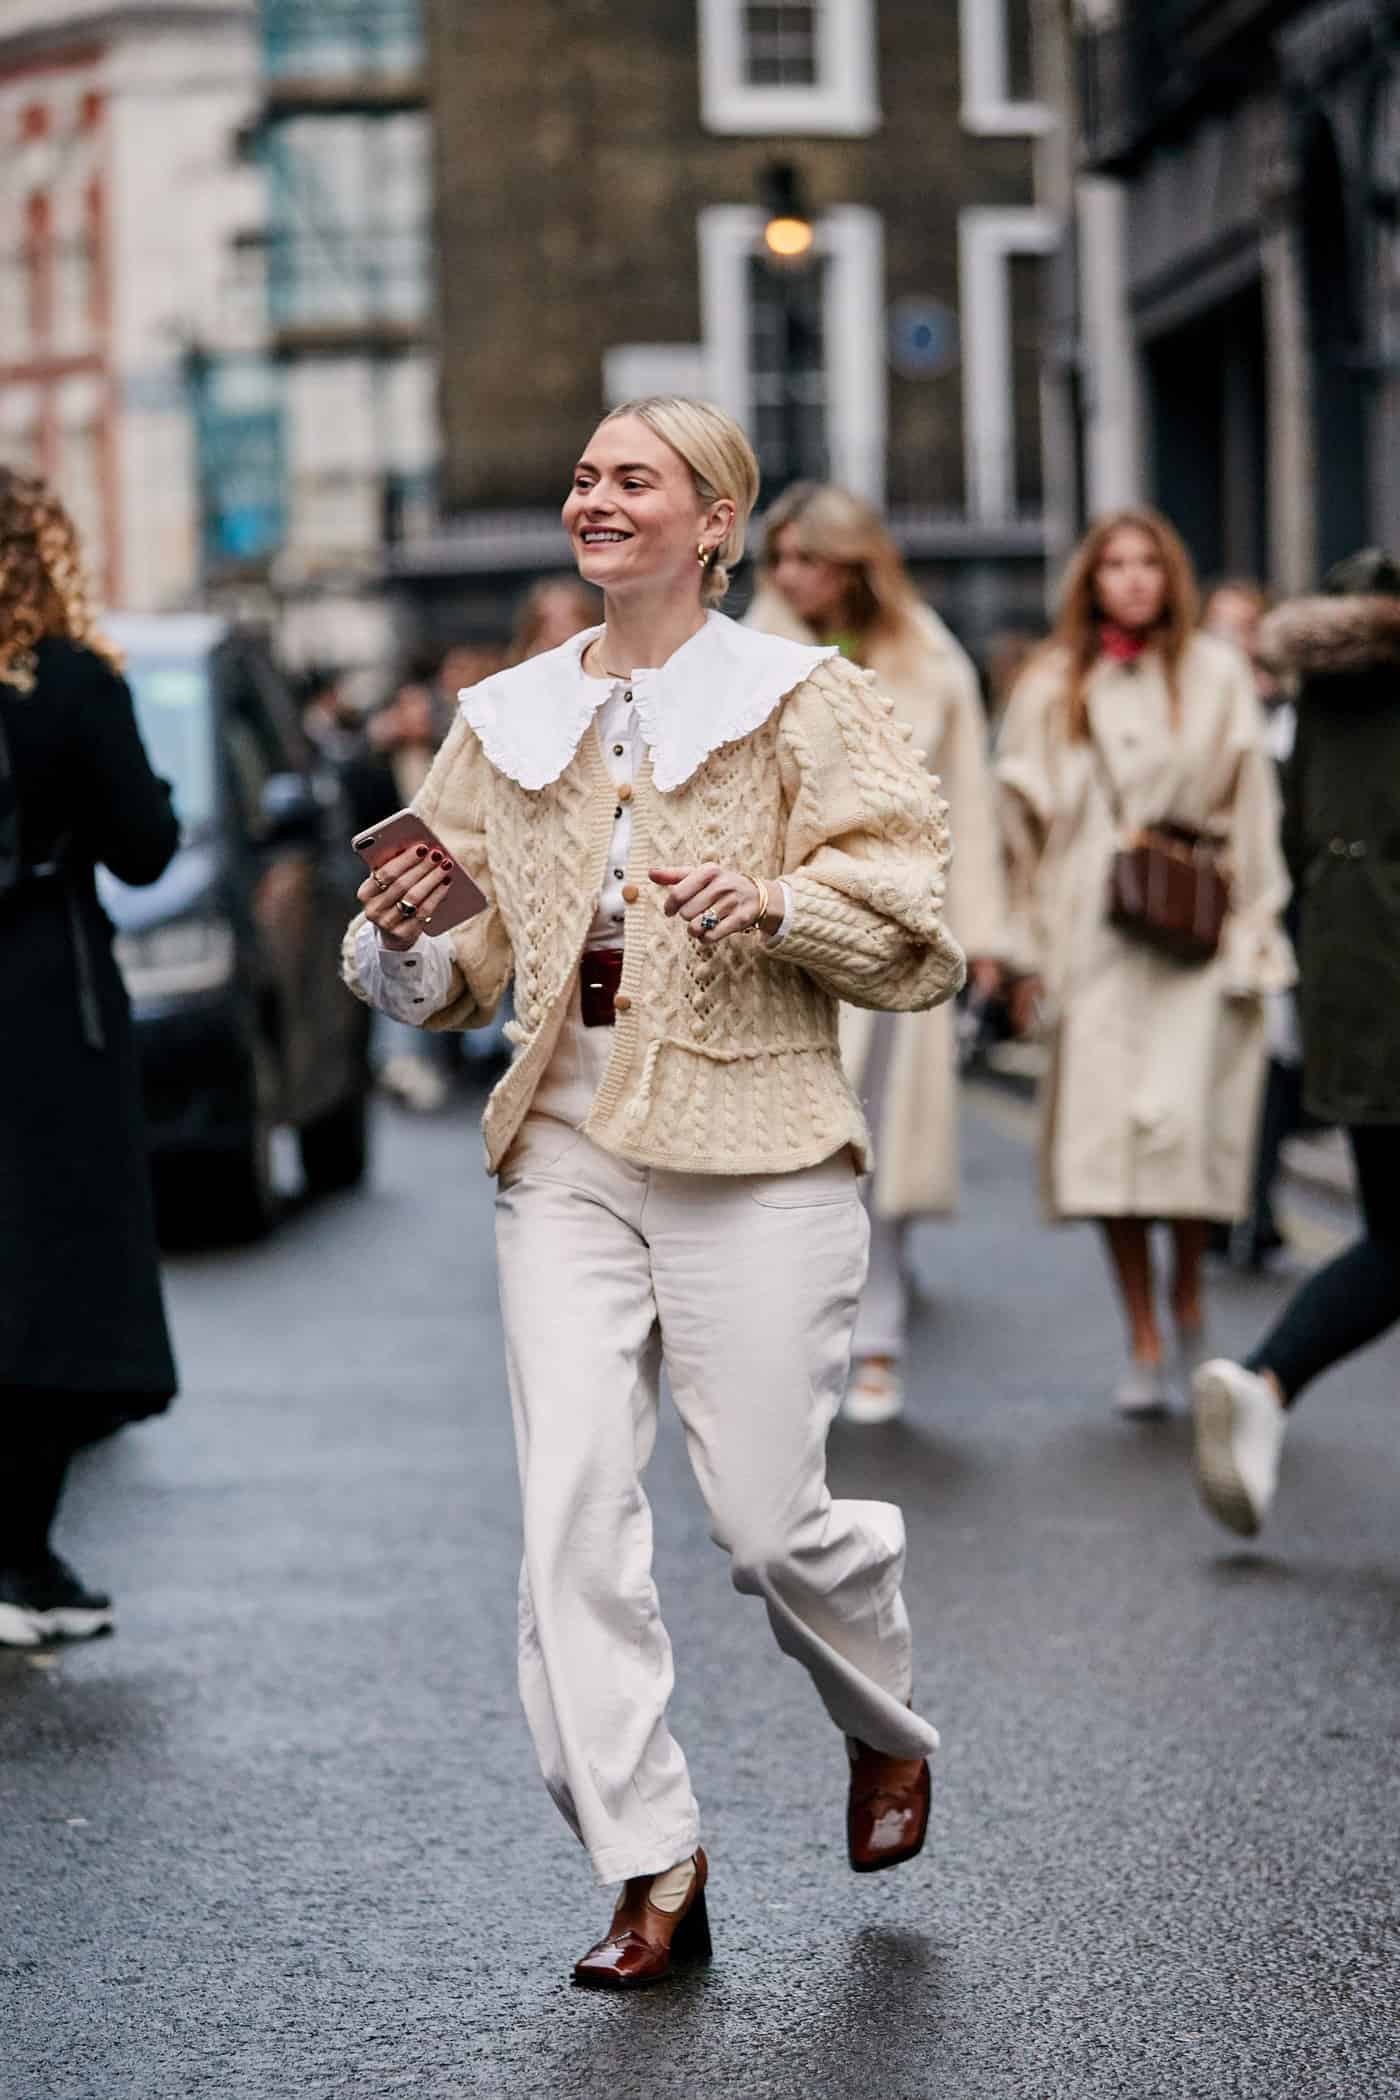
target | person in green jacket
[{"x": 1342, "y": 841}]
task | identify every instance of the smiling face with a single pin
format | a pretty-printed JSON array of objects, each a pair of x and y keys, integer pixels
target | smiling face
[
  {"x": 816, "y": 589},
  {"x": 1130, "y": 582},
  {"x": 633, "y": 516}
]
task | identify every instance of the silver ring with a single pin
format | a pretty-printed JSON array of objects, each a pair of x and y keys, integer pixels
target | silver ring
[
  {"x": 410, "y": 911},
  {"x": 708, "y": 922}
]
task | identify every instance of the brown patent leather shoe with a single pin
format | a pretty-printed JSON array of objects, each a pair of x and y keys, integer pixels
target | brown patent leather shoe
[
  {"x": 643, "y": 1943},
  {"x": 887, "y": 1809}
]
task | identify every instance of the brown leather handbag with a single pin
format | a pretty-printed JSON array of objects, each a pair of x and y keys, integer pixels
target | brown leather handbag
[{"x": 1167, "y": 885}]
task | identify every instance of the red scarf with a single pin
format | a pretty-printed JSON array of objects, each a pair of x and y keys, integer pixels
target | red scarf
[{"x": 1122, "y": 645}]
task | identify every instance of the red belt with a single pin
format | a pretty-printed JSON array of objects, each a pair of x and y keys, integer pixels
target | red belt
[{"x": 599, "y": 975}]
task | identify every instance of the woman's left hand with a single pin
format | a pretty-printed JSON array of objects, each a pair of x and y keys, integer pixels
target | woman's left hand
[{"x": 731, "y": 899}]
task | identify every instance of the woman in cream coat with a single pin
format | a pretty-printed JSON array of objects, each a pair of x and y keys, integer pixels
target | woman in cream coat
[
  {"x": 832, "y": 573},
  {"x": 1131, "y": 718},
  {"x": 694, "y": 842}
]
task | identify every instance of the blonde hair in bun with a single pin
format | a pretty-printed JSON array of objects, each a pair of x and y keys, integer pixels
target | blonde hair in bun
[{"x": 721, "y": 462}]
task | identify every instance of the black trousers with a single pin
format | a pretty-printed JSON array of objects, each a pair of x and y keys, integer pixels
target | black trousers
[
  {"x": 39, "y": 1432},
  {"x": 1355, "y": 1298}
]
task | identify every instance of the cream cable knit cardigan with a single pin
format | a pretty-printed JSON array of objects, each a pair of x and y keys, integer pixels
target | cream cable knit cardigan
[{"x": 724, "y": 1059}]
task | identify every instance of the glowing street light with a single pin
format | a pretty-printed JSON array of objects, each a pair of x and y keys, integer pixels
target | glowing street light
[
  {"x": 788, "y": 240},
  {"x": 788, "y": 234}
]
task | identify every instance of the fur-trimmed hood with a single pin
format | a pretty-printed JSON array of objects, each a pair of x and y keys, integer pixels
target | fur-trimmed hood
[{"x": 1331, "y": 637}]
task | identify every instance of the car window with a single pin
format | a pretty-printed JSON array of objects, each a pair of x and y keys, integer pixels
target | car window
[{"x": 174, "y": 708}]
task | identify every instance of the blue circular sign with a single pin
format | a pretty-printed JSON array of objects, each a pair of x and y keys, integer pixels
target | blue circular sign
[{"x": 923, "y": 338}]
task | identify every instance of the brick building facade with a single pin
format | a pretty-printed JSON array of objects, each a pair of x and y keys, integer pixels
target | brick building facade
[
  {"x": 1256, "y": 148},
  {"x": 120, "y": 193},
  {"x": 602, "y": 177}
]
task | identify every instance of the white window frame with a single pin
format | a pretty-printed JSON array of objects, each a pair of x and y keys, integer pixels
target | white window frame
[
  {"x": 851, "y": 239},
  {"x": 844, "y": 102},
  {"x": 987, "y": 239},
  {"x": 988, "y": 109}
]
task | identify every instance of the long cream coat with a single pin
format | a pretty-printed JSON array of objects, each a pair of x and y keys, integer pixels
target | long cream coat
[
  {"x": 934, "y": 688},
  {"x": 1149, "y": 1104}
]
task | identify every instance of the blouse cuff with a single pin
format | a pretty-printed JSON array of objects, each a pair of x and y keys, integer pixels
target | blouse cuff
[
  {"x": 776, "y": 938},
  {"x": 409, "y": 986}
]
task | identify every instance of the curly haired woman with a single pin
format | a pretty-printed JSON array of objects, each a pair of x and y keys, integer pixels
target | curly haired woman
[
  {"x": 75, "y": 1207},
  {"x": 694, "y": 841}
]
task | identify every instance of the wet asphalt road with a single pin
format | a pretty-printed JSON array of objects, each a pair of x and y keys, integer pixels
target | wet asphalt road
[{"x": 282, "y": 1836}]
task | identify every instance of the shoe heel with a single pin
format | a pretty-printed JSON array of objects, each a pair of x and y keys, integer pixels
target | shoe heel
[{"x": 692, "y": 1936}]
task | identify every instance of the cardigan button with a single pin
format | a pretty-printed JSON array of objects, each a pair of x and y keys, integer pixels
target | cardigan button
[
  {"x": 1339, "y": 847},
  {"x": 630, "y": 893},
  {"x": 624, "y": 793},
  {"x": 1357, "y": 849},
  {"x": 622, "y": 1004}
]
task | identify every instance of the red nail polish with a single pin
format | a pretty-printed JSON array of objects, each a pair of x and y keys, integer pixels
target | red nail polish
[
  {"x": 447, "y": 867},
  {"x": 436, "y": 858},
  {"x": 421, "y": 851}
]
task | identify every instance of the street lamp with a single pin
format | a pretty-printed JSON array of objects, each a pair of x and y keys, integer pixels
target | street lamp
[
  {"x": 788, "y": 233},
  {"x": 789, "y": 246}
]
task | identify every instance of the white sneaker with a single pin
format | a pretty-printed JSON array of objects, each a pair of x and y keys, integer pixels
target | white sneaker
[
  {"x": 1239, "y": 1435},
  {"x": 875, "y": 1394},
  {"x": 1142, "y": 1391},
  {"x": 18, "y": 1627}
]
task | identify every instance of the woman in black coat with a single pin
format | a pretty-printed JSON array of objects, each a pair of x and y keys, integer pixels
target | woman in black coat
[
  {"x": 1342, "y": 839},
  {"x": 83, "y": 1340}
]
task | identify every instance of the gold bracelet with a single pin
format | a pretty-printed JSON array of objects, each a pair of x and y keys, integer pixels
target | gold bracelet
[{"x": 761, "y": 886}]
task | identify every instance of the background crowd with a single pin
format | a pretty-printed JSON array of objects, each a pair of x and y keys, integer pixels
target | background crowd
[{"x": 1166, "y": 1090}]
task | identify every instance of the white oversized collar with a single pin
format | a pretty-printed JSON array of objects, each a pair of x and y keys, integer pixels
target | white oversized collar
[{"x": 720, "y": 685}]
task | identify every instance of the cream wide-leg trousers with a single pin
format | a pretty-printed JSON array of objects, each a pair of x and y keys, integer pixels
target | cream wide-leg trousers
[{"x": 745, "y": 1288}]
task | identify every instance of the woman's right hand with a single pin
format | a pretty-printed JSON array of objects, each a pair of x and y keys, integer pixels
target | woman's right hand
[
  {"x": 1023, "y": 1003},
  {"x": 416, "y": 877}
]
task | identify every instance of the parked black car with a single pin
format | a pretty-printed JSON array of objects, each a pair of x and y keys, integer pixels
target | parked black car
[{"x": 231, "y": 959}]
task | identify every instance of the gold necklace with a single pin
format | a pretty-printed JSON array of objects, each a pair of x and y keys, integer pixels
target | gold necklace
[{"x": 604, "y": 668}]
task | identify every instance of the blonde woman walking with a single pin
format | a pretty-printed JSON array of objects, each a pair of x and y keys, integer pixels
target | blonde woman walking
[
  {"x": 695, "y": 841},
  {"x": 831, "y": 573},
  {"x": 1130, "y": 718}
]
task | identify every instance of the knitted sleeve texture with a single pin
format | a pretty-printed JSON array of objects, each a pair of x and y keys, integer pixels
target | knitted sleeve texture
[
  {"x": 453, "y": 801},
  {"x": 867, "y": 849}
]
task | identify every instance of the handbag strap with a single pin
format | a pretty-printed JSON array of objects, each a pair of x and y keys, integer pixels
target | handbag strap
[{"x": 1112, "y": 794}]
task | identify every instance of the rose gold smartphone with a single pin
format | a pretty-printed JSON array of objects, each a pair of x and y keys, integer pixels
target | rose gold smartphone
[{"x": 461, "y": 900}]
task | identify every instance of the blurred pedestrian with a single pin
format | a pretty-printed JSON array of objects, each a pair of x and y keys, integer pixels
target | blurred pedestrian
[
  {"x": 1006, "y": 656},
  {"x": 1234, "y": 610},
  {"x": 83, "y": 1340},
  {"x": 1342, "y": 839},
  {"x": 1130, "y": 719},
  {"x": 550, "y": 614},
  {"x": 676, "y": 1141},
  {"x": 831, "y": 573}
]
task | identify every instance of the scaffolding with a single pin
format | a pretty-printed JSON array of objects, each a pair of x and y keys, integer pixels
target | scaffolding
[
  {"x": 344, "y": 144},
  {"x": 341, "y": 41},
  {"x": 345, "y": 151}
]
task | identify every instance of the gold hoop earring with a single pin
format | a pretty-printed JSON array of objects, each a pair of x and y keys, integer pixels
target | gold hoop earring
[{"x": 702, "y": 555}]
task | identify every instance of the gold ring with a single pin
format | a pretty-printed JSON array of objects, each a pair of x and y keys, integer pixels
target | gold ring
[{"x": 380, "y": 885}]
